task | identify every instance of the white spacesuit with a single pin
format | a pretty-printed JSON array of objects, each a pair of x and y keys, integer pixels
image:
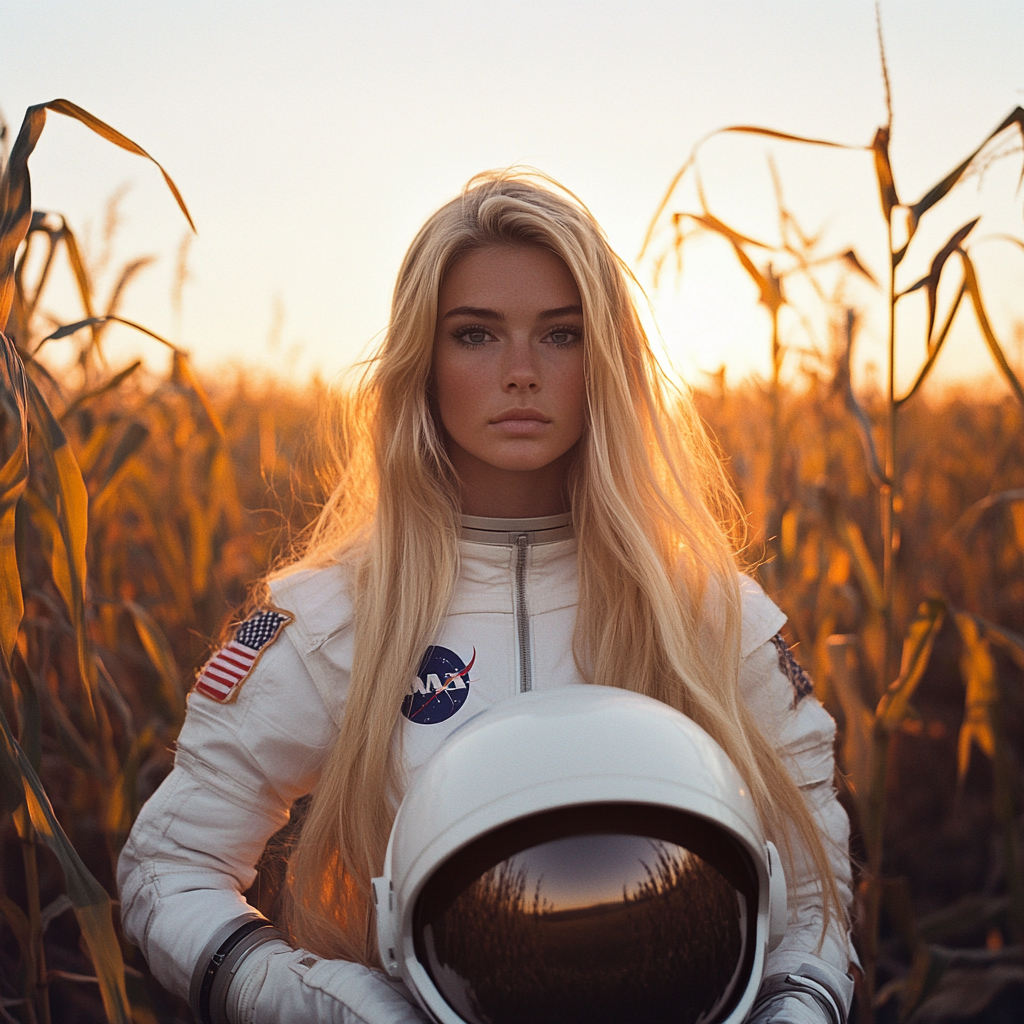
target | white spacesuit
[{"x": 241, "y": 764}]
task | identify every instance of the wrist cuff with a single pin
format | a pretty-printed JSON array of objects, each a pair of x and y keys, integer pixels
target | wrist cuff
[
  {"x": 810, "y": 982},
  {"x": 222, "y": 956}
]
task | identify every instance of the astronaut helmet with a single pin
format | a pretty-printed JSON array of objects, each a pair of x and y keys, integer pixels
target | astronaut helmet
[{"x": 584, "y": 854}]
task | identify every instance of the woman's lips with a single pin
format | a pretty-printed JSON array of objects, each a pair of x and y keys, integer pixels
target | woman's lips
[{"x": 520, "y": 422}]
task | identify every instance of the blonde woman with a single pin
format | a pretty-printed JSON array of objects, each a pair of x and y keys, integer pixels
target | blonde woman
[{"x": 522, "y": 495}]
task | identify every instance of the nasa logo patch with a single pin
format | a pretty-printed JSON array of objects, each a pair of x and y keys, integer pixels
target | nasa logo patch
[{"x": 440, "y": 688}]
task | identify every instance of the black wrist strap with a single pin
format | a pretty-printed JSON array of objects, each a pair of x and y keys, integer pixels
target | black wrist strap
[{"x": 226, "y": 941}]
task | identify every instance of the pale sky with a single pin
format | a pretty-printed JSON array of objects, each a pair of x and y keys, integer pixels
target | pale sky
[{"x": 310, "y": 140}]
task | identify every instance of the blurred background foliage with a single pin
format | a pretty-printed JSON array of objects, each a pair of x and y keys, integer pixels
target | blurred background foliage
[{"x": 137, "y": 507}]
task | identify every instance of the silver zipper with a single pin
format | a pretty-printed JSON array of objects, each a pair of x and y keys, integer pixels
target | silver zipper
[{"x": 522, "y": 618}]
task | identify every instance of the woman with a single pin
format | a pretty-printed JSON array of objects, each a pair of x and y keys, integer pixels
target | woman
[{"x": 523, "y": 496}]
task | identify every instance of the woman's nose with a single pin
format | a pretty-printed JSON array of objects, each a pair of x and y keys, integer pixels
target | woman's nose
[{"x": 520, "y": 370}]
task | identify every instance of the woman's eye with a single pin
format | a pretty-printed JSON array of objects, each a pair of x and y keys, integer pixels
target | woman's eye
[
  {"x": 563, "y": 336},
  {"x": 472, "y": 336}
]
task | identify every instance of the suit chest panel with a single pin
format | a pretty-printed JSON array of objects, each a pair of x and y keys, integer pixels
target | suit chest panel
[{"x": 473, "y": 665}]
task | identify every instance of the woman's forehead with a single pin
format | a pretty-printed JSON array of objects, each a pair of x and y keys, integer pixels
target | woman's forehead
[{"x": 511, "y": 275}]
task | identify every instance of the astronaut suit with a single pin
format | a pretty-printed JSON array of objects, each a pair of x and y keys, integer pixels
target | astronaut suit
[{"x": 265, "y": 714}]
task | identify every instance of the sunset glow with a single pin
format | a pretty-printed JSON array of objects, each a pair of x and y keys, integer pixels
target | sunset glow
[{"x": 311, "y": 140}]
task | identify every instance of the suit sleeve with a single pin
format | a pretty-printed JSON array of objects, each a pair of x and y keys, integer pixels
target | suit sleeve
[{"x": 194, "y": 847}]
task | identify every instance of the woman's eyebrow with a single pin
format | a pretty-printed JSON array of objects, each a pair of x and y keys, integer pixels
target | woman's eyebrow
[
  {"x": 554, "y": 314},
  {"x": 492, "y": 314},
  {"x": 477, "y": 311}
]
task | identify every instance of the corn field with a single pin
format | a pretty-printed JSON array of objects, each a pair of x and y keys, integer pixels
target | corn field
[{"x": 137, "y": 508}]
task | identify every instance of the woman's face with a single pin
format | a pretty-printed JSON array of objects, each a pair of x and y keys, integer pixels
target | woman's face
[{"x": 508, "y": 378}]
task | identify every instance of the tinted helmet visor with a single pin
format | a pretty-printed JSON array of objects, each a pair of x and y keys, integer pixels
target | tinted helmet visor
[{"x": 597, "y": 914}]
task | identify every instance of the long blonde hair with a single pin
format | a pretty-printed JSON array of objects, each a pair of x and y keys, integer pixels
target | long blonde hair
[{"x": 659, "y": 604}]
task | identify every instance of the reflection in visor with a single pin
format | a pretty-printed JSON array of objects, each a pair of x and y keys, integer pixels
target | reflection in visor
[{"x": 591, "y": 928}]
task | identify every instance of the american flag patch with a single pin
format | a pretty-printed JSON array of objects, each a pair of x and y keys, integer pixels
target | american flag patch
[{"x": 222, "y": 676}]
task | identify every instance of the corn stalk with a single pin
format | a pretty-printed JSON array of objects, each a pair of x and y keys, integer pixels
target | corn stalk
[
  {"x": 870, "y": 724},
  {"x": 43, "y": 478}
]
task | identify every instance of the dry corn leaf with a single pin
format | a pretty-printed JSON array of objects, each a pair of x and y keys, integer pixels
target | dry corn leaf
[
  {"x": 67, "y": 330},
  {"x": 183, "y": 370},
  {"x": 865, "y": 430},
  {"x": 13, "y": 478},
  {"x": 690, "y": 162},
  {"x": 935, "y": 346},
  {"x": 852, "y": 260},
  {"x": 1007, "y": 639},
  {"x": 167, "y": 547},
  {"x": 225, "y": 489},
  {"x": 964, "y": 992},
  {"x": 863, "y": 566},
  {"x": 970, "y": 913},
  {"x": 789, "y": 533},
  {"x": 18, "y": 923},
  {"x": 939, "y": 191},
  {"x": 68, "y": 500},
  {"x": 1017, "y": 516},
  {"x": 981, "y": 706},
  {"x": 894, "y": 706},
  {"x": 39, "y": 225},
  {"x": 860, "y": 721},
  {"x": 72, "y": 744},
  {"x": 201, "y": 552},
  {"x": 91, "y": 453},
  {"x": 67, "y": 523},
  {"x": 710, "y": 222},
  {"x": 972, "y": 517},
  {"x": 883, "y": 172},
  {"x": 16, "y": 189},
  {"x": 767, "y": 282},
  {"x": 156, "y": 645},
  {"x": 974, "y": 290},
  {"x": 110, "y": 384},
  {"x": 931, "y": 279},
  {"x": 30, "y": 718},
  {"x": 926, "y": 971},
  {"x": 128, "y": 273},
  {"x": 131, "y": 440},
  {"x": 784, "y": 136},
  {"x": 81, "y": 275},
  {"x": 942, "y": 189},
  {"x": 91, "y": 902}
]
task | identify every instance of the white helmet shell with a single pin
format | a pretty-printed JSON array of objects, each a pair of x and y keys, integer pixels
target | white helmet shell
[{"x": 566, "y": 748}]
